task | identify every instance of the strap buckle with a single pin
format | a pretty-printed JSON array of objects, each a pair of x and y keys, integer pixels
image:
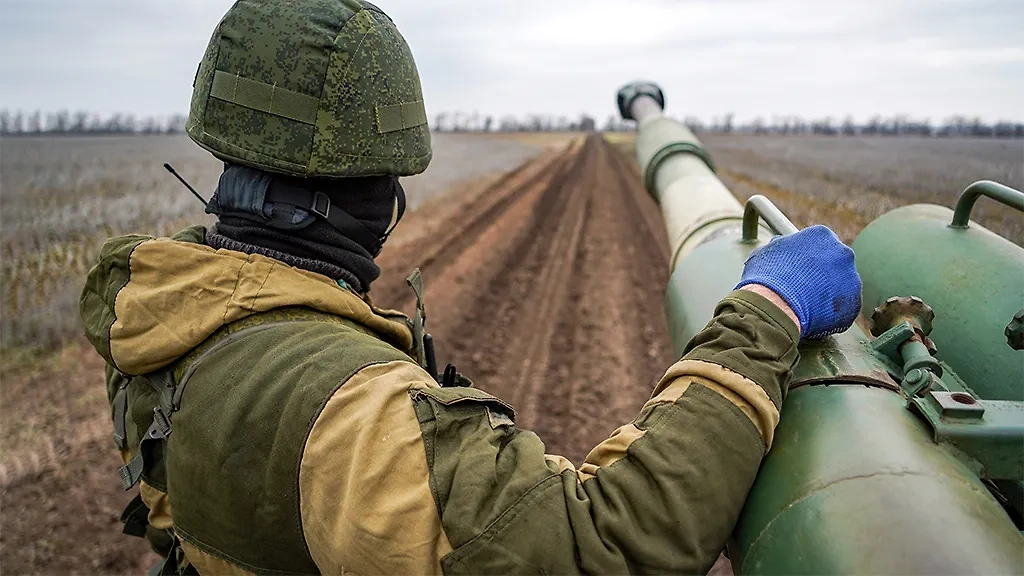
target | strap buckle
[
  {"x": 161, "y": 427},
  {"x": 321, "y": 205}
]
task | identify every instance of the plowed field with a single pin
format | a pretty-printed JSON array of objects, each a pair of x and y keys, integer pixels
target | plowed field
[{"x": 543, "y": 285}]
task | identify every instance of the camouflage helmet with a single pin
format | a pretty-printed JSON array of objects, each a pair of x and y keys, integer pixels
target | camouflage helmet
[{"x": 312, "y": 88}]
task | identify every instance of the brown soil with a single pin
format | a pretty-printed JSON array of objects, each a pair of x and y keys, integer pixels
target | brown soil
[
  {"x": 544, "y": 285},
  {"x": 547, "y": 292},
  {"x": 60, "y": 498}
]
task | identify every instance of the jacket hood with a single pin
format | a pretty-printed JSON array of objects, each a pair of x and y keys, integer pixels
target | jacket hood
[{"x": 148, "y": 301}]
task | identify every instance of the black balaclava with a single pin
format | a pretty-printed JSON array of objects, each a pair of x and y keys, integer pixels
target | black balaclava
[{"x": 248, "y": 222}]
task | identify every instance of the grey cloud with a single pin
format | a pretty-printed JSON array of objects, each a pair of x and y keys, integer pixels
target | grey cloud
[{"x": 927, "y": 58}]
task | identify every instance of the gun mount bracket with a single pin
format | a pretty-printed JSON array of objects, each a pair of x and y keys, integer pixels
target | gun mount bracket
[{"x": 986, "y": 433}]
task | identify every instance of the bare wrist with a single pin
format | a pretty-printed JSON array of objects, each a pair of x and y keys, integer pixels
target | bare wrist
[{"x": 774, "y": 299}]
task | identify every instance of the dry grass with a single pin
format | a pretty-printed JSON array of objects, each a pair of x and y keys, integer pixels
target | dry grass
[
  {"x": 62, "y": 197},
  {"x": 57, "y": 470},
  {"x": 846, "y": 183}
]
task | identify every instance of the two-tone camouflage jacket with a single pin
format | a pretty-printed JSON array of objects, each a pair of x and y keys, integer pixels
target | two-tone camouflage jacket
[{"x": 306, "y": 439}]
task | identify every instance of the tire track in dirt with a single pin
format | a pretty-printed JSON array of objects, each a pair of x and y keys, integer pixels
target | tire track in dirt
[
  {"x": 490, "y": 331},
  {"x": 615, "y": 345},
  {"x": 551, "y": 285},
  {"x": 463, "y": 229},
  {"x": 551, "y": 297}
]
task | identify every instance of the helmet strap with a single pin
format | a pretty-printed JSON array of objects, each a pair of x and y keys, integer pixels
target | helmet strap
[
  {"x": 318, "y": 203},
  {"x": 399, "y": 209}
]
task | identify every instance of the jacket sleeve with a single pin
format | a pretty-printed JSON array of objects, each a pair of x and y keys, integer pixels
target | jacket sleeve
[
  {"x": 661, "y": 494},
  {"x": 399, "y": 475}
]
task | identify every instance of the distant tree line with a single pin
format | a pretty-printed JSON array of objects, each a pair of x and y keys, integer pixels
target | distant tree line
[
  {"x": 475, "y": 122},
  {"x": 65, "y": 122},
  {"x": 900, "y": 125}
]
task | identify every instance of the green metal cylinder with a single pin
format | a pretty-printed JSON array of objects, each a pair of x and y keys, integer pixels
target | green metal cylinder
[
  {"x": 971, "y": 277},
  {"x": 707, "y": 274},
  {"x": 712, "y": 267},
  {"x": 854, "y": 484}
]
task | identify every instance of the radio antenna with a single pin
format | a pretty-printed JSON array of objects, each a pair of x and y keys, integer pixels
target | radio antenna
[{"x": 182, "y": 180}]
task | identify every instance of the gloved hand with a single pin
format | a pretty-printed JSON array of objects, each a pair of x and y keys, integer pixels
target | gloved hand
[{"x": 813, "y": 272}]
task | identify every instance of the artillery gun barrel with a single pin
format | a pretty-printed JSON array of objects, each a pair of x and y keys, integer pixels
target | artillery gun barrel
[
  {"x": 856, "y": 481},
  {"x": 694, "y": 202}
]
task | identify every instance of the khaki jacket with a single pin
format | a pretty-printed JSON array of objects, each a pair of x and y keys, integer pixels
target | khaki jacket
[{"x": 306, "y": 439}]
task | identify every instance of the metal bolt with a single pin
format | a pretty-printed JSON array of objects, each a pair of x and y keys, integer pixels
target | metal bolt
[{"x": 917, "y": 382}]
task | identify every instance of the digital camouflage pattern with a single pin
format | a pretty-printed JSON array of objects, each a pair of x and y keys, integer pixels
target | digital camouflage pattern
[
  {"x": 325, "y": 88},
  {"x": 308, "y": 440}
]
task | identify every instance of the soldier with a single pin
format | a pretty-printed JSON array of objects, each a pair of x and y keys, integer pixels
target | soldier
[{"x": 306, "y": 435}]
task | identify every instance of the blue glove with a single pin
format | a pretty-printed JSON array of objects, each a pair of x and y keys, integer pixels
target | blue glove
[{"x": 813, "y": 272}]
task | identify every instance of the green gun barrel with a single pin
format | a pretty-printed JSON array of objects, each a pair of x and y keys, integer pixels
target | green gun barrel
[{"x": 856, "y": 481}]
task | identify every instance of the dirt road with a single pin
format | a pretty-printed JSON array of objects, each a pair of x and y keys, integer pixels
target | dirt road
[
  {"x": 544, "y": 285},
  {"x": 547, "y": 291}
]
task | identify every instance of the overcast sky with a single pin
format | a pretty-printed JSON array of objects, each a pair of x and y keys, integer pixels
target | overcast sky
[{"x": 927, "y": 58}]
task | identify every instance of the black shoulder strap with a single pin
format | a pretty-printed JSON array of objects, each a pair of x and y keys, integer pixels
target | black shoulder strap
[{"x": 159, "y": 429}]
